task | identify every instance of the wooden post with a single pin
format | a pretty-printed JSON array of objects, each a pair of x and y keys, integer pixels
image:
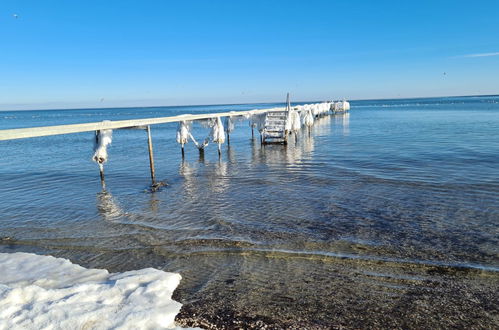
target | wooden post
[
  {"x": 101, "y": 166},
  {"x": 219, "y": 150},
  {"x": 228, "y": 138},
  {"x": 183, "y": 153},
  {"x": 252, "y": 133},
  {"x": 102, "y": 181},
  {"x": 151, "y": 155}
]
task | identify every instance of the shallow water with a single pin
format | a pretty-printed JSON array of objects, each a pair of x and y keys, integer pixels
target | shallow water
[{"x": 386, "y": 216}]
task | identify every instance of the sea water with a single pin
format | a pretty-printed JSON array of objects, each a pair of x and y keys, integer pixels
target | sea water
[{"x": 384, "y": 216}]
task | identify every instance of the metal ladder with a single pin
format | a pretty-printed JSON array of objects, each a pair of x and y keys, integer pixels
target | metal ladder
[{"x": 274, "y": 130}]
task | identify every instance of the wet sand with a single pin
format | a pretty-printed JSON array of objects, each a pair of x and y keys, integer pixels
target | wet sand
[{"x": 325, "y": 294}]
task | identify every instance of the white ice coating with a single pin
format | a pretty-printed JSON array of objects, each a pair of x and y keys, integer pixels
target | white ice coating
[
  {"x": 315, "y": 110},
  {"x": 295, "y": 121},
  {"x": 182, "y": 133},
  {"x": 217, "y": 131},
  {"x": 229, "y": 124},
  {"x": 43, "y": 292},
  {"x": 258, "y": 121},
  {"x": 341, "y": 106},
  {"x": 308, "y": 119},
  {"x": 104, "y": 138},
  {"x": 346, "y": 105}
]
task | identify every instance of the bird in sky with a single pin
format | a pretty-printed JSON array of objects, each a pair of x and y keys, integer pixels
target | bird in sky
[{"x": 15, "y": 16}]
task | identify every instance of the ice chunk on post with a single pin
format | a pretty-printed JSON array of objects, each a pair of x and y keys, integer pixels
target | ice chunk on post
[
  {"x": 45, "y": 292},
  {"x": 104, "y": 138}
]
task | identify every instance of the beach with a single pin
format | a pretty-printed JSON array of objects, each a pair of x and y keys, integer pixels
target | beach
[{"x": 383, "y": 217}]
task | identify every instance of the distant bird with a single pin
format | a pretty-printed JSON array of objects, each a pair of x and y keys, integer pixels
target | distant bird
[
  {"x": 102, "y": 100},
  {"x": 445, "y": 73},
  {"x": 15, "y": 16}
]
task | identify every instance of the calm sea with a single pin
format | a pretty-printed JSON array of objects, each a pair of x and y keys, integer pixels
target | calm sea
[{"x": 387, "y": 216}]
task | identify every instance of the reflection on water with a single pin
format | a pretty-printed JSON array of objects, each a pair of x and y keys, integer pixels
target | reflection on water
[
  {"x": 389, "y": 224},
  {"x": 342, "y": 122},
  {"x": 346, "y": 123},
  {"x": 108, "y": 207}
]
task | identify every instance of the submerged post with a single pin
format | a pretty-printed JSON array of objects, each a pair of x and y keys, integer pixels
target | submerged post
[
  {"x": 151, "y": 155},
  {"x": 102, "y": 181},
  {"x": 101, "y": 165}
]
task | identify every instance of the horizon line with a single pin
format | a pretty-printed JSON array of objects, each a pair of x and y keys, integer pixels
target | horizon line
[{"x": 232, "y": 104}]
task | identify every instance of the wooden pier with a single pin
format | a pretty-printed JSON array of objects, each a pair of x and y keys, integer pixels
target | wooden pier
[
  {"x": 272, "y": 129},
  {"x": 22, "y": 133}
]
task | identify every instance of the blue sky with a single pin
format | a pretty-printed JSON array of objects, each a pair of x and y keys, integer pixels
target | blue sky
[{"x": 67, "y": 54}]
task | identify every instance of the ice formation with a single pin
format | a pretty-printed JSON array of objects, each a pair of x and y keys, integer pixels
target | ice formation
[
  {"x": 229, "y": 124},
  {"x": 308, "y": 119},
  {"x": 217, "y": 131},
  {"x": 43, "y": 292},
  {"x": 295, "y": 121},
  {"x": 183, "y": 133},
  {"x": 258, "y": 121},
  {"x": 104, "y": 138},
  {"x": 341, "y": 106}
]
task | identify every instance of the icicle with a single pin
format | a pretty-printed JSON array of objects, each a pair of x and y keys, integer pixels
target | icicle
[
  {"x": 218, "y": 134},
  {"x": 104, "y": 138},
  {"x": 295, "y": 121},
  {"x": 229, "y": 125},
  {"x": 182, "y": 133},
  {"x": 308, "y": 120},
  {"x": 260, "y": 122},
  {"x": 217, "y": 131}
]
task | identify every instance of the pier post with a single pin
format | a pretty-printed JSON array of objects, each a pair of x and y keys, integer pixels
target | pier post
[
  {"x": 102, "y": 181},
  {"x": 183, "y": 153},
  {"x": 101, "y": 166},
  {"x": 151, "y": 156}
]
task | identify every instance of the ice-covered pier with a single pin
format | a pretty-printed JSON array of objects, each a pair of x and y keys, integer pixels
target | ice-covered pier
[{"x": 275, "y": 125}]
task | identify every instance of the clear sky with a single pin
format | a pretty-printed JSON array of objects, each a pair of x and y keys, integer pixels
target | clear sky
[{"x": 96, "y": 53}]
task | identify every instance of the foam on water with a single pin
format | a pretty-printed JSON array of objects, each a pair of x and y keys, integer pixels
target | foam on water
[{"x": 45, "y": 292}]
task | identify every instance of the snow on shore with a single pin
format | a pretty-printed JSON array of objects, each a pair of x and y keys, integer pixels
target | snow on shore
[{"x": 38, "y": 292}]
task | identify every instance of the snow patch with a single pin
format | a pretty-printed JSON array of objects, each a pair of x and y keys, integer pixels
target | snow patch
[{"x": 38, "y": 292}]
